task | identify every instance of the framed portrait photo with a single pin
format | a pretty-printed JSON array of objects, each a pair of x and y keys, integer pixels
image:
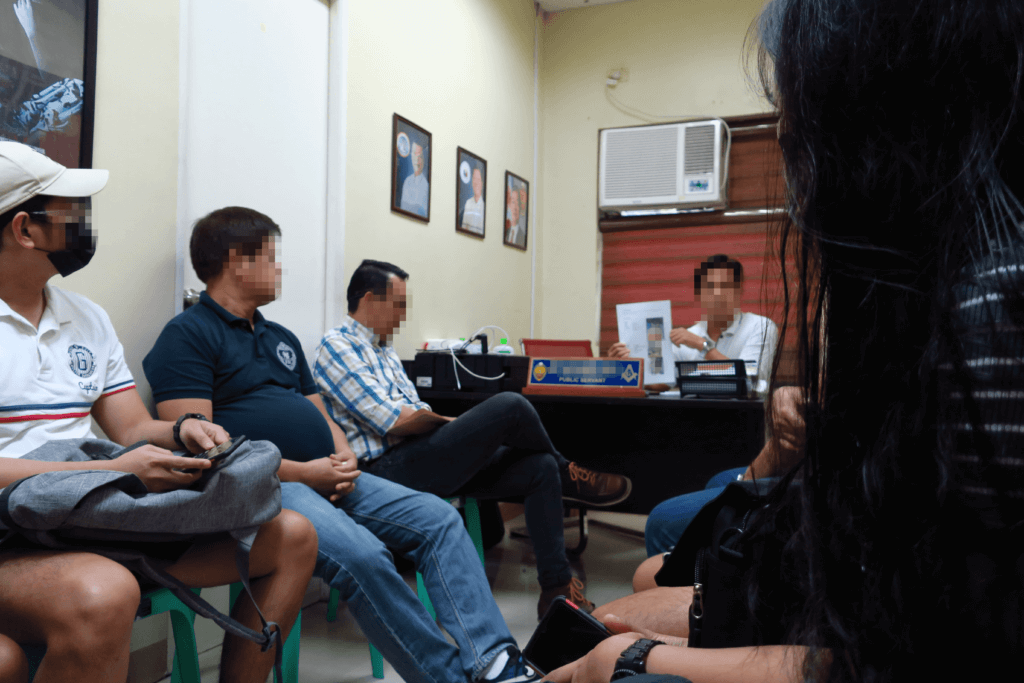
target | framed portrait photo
[
  {"x": 48, "y": 77},
  {"x": 517, "y": 203},
  {"x": 410, "y": 169},
  {"x": 470, "y": 193}
]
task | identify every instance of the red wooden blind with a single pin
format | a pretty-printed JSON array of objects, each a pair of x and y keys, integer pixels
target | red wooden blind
[{"x": 653, "y": 258}]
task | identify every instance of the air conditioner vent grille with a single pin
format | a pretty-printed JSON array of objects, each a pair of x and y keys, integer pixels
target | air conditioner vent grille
[
  {"x": 642, "y": 163},
  {"x": 699, "y": 150}
]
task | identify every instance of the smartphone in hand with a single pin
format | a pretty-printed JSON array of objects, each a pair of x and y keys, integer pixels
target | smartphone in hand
[
  {"x": 565, "y": 634},
  {"x": 219, "y": 452}
]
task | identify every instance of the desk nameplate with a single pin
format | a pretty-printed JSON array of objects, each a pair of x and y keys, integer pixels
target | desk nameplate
[{"x": 586, "y": 377}]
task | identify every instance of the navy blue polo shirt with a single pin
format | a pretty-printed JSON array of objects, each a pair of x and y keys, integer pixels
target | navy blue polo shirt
[{"x": 257, "y": 378}]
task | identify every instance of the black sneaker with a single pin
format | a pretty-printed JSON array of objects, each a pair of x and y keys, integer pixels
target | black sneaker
[{"x": 594, "y": 489}]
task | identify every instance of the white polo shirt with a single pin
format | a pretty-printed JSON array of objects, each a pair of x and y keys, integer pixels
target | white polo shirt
[
  {"x": 53, "y": 375},
  {"x": 750, "y": 337}
]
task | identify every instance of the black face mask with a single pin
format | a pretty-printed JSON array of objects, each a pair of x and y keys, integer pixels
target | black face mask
[
  {"x": 68, "y": 261},
  {"x": 79, "y": 241}
]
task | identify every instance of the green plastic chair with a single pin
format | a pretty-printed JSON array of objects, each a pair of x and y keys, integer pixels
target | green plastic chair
[
  {"x": 186, "y": 653},
  {"x": 472, "y": 510}
]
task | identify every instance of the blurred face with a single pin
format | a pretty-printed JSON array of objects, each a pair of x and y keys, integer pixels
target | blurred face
[
  {"x": 62, "y": 230},
  {"x": 259, "y": 275},
  {"x": 513, "y": 206},
  {"x": 478, "y": 184},
  {"x": 719, "y": 295},
  {"x": 417, "y": 158},
  {"x": 385, "y": 314}
]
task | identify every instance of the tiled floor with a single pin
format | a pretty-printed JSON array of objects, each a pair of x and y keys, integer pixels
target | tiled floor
[{"x": 338, "y": 653}]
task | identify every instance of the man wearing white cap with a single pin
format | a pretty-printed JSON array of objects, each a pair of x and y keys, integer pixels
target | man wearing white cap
[{"x": 62, "y": 367}]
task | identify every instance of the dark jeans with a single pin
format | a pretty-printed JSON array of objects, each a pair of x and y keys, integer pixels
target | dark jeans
[{"x": 497, "y": 449}]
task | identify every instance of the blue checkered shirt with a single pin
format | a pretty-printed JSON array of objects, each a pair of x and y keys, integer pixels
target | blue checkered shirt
[{"x": 364, "y": 387}]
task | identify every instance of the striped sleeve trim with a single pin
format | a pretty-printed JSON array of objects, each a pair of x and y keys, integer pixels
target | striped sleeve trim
[
  {"x": 44, "y": 406},
  {"x": 36, "y": 417},
  {"x": 119, "y": 386},
  {"x": 35, "y": 412}
]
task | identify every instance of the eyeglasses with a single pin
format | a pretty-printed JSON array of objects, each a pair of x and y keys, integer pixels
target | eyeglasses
[{"x": 79, "y": 212}]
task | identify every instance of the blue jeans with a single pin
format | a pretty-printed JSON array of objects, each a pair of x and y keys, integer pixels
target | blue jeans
[
  {"x": 497, "y": 449},
  {"x": 669, "y": 519},
  {"x": 352, "y": 557}
]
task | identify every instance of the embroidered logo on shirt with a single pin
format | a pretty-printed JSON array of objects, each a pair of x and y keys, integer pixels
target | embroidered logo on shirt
[
  {"x": 286, "y": 355},
  {"x": 81, "y": 361}
]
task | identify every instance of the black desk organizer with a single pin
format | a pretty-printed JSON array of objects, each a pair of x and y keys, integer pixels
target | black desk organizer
[
  {"x": 712, "y": 378},
  {"x": 441, "y": 369}
]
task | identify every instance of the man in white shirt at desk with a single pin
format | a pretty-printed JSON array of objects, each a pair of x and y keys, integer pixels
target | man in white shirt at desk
[{"x": 724, "y": 332}]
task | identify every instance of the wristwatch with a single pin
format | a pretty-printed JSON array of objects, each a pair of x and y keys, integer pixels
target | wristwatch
[
  {"x": 708, "y": 345},
  {"x": 177, "y": 427},
  {"x": 633, "y": 660}
]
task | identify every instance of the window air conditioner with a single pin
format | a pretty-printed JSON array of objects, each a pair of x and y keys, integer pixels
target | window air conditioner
[{"x": 665, "y": 168}]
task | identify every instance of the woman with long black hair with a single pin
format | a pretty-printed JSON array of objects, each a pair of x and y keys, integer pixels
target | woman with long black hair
[{"x": 903, "y": 143}]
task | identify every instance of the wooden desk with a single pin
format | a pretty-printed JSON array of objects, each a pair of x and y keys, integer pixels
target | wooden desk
[{"x": 667, "y": 446}]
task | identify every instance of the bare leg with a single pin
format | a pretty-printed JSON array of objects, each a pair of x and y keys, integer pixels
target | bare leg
[
  {"x": 13, "y": 663},
  {"x": 643, "y": 577},
  {"x": 280, "y": 565},
  {"x": 80, "y": 605}
]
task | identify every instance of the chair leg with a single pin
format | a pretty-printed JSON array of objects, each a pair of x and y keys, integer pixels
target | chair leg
[
  {"x": 376, "y": 658},
  {"x": 332, "y": 605},
  {"x": 421, "y": 593},
  {"x": 186, "y": 654},
  {"x": 472, "y": 509},
  {"x": 290, "y": 656},
  {"x": 376, "y": 662},
  {"x": 584, "y": 531}
]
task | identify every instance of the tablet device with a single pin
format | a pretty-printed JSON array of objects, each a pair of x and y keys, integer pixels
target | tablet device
[{"x": 565, "y": 634}]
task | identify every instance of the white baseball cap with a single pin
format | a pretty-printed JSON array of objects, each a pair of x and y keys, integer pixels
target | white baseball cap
[{"x": 25, "y": 173}]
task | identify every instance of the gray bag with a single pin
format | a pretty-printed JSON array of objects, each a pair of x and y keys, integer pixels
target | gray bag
[{"x": 83, "y": 509}]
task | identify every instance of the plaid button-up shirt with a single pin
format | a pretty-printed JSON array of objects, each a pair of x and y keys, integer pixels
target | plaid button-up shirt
[{"x": 364, "y": 387}]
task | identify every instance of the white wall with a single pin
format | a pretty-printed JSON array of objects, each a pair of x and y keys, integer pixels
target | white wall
[
  {"x": 254, "y": 100},
  {"x": 254, "y": 133},
  {"x": 683, "y": 58}
]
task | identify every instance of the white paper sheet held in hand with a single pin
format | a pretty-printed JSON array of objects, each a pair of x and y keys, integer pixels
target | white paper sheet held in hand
[{"x": 644, "y": 328}]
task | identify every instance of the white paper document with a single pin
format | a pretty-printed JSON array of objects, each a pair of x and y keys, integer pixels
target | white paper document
[{"x": 644, "y": 328}]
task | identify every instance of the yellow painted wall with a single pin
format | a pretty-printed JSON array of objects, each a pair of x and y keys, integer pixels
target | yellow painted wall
[
  {"x": 463, "y": 70},
  {"x": 683, "y": 58},
  {"x": 136, "y": 139}
]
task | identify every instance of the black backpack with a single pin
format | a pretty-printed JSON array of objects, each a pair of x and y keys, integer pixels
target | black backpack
[{"x": 727, "y": 542}]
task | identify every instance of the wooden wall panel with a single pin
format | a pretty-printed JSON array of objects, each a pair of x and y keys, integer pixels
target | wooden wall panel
[{"x": 650, "y": 259}]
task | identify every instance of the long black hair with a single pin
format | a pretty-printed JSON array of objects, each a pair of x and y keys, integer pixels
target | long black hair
[{"x": 901, "y": 133}]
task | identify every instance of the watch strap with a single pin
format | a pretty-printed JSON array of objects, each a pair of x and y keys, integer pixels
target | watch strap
[
  {"x": 177, "y": 427},
  {"x": 633, "y": 660}
]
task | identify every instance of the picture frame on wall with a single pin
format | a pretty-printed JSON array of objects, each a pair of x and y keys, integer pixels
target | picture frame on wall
[
  {"x": 517, "y": 204},
  {"x": 48, "y": 77},
  {"x": 470, "y": 193},
  {"x": 410, "y": 169}
]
